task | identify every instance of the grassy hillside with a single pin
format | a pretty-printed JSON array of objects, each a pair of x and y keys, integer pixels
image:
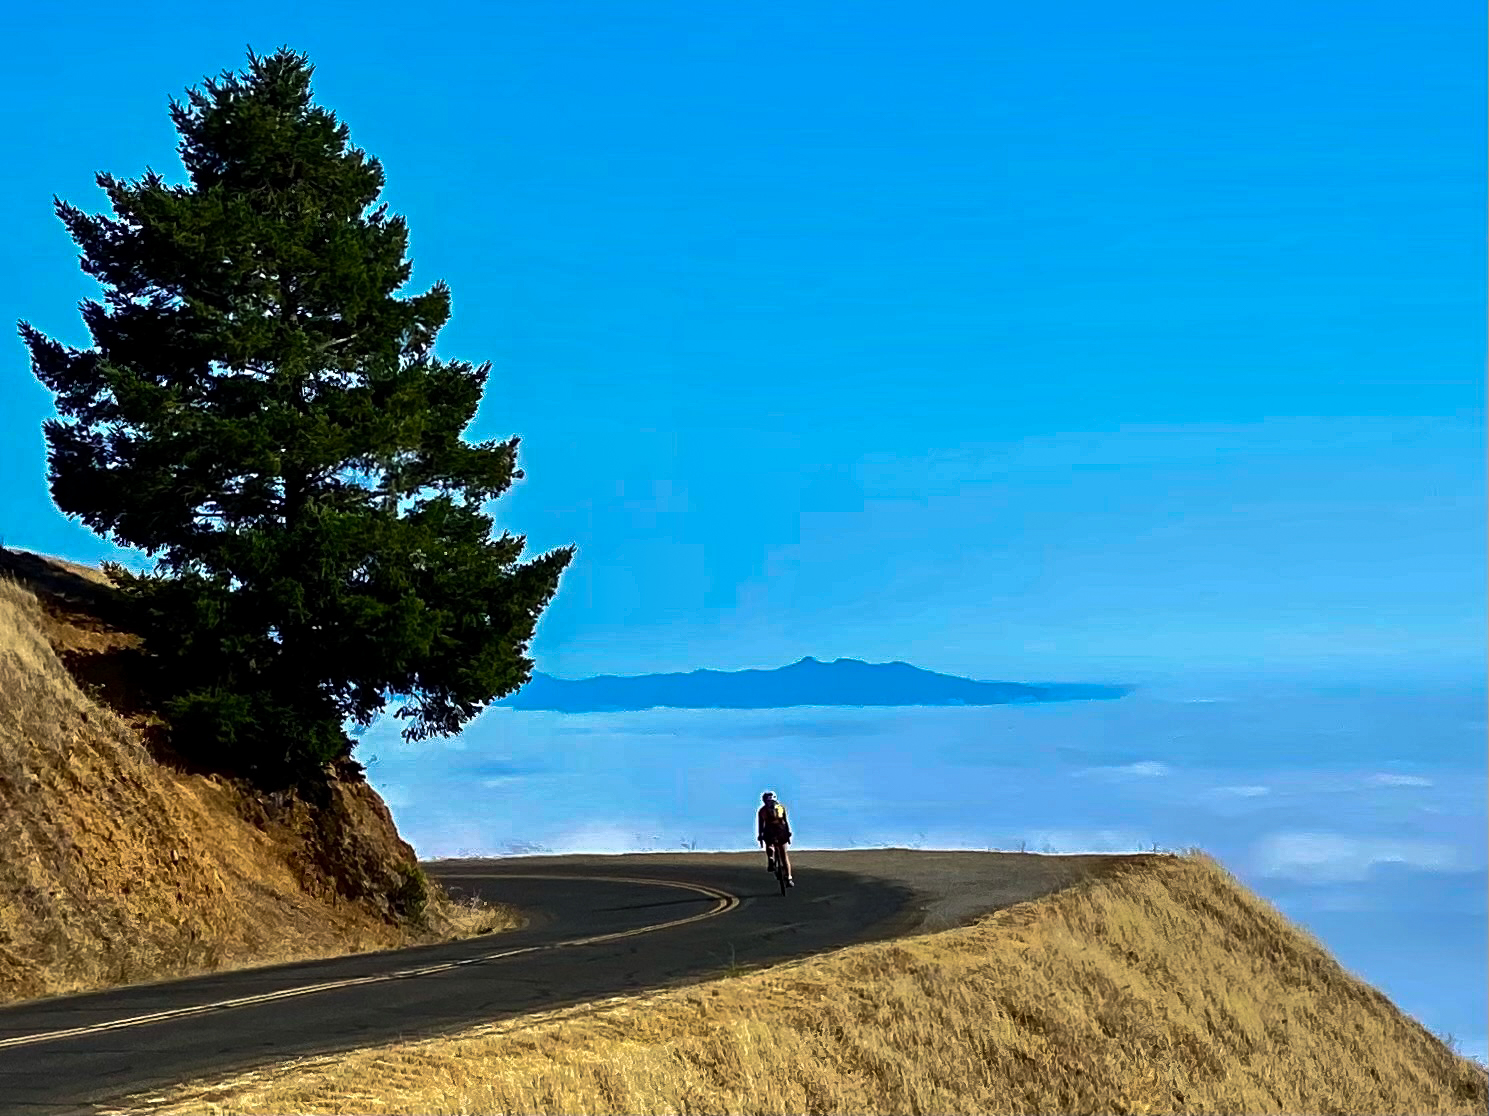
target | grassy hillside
[
  {"x": 1162, "y": 987},
  {"x": 118, "y": 867}
]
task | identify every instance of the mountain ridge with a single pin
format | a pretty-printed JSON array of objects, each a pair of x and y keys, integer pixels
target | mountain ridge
[{"x": 808, "y": 681}]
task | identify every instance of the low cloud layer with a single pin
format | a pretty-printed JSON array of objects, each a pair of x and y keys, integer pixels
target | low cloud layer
[
  {"x": 1331, "y": 857},
  {"x": 1341, "y": 812}
]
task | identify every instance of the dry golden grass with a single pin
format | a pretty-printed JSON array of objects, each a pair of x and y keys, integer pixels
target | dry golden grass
[
  {"x": 1162, "y": 987},
  {"x": 115, "y": 868},
  {"x": 469, "y": 918}
]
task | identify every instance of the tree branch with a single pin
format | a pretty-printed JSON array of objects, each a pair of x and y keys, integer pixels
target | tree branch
[{"x": 338, "y": 341}]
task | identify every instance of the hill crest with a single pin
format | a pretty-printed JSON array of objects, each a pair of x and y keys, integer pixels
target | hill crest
[{"x": 806, "y": 682}]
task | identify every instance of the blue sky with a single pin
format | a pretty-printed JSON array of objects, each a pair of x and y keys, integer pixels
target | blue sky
[{"x": 1076, "y": 342}]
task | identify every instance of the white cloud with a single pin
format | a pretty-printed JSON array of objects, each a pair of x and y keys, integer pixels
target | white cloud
[
  {"x": 1145, "y": 769},
  {"x": 1075, "y": 841},
  {"x": 1333, "y": 857},
  {"x": 600, "y": 837},
  {"x": 437, "y": 838},
  {"x": 1385, "y": 779},
  {"x": 1242, "y": 791},
  {"x": 1475, "y": 1048}
]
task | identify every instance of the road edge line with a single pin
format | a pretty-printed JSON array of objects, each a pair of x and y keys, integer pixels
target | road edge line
[{"x": 726, "y": 902}]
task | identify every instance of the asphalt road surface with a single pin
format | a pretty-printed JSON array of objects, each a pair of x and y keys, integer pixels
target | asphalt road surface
[{"x": 597, "y": 926}]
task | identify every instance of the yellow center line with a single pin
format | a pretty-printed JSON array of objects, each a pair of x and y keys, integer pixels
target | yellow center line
[{"x": 725, "y": 902}]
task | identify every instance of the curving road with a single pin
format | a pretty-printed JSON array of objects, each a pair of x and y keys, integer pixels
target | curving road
[{"x": 597, "y": 926}]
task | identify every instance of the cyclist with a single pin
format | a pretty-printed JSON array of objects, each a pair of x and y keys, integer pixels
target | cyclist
[{"x": 773, "y": 830}]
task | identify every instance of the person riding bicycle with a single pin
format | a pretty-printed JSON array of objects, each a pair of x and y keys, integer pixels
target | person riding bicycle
[{"x": 773, "y": 830}]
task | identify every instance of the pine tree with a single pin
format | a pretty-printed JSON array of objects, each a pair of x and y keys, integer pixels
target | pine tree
[{"x": 261, "y": 414}]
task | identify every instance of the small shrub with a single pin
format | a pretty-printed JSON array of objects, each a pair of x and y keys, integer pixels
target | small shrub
[{"x": 411, "y": 898}]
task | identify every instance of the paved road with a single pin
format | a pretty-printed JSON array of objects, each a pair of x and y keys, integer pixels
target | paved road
[{"x": 598, "y": 926}]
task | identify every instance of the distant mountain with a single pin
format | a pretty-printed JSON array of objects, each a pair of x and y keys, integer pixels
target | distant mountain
[{"x": 807, "y": 682}]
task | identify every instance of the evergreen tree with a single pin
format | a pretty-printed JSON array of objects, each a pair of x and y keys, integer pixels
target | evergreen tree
[{"x": 263, "y": 416}]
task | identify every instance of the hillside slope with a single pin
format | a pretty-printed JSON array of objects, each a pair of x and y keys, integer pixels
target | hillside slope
[
  {"x": 115, "y": 867},
  {"x": 1161, "y": 986}
]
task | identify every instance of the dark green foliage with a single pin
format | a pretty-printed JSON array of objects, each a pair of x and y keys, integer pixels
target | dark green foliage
[
  {"x": 262, "y": 415},
  {"x": 410, "y": 900}
]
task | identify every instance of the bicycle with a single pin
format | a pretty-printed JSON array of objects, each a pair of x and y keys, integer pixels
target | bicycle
[{"x": 781, "y": 875}]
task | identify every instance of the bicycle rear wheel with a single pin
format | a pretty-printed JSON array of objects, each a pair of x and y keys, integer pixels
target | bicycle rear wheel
[{"x": 781, "y": 872}]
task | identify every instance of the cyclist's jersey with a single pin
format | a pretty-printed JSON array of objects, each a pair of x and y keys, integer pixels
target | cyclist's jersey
[{"x": 771, "y": 821}]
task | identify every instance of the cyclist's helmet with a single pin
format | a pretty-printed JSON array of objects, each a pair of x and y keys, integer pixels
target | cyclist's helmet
[{"x": 768, "y": 796}]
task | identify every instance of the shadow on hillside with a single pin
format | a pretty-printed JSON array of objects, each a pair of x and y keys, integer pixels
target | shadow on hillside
[
  {"x": 87, "y": 624},
  {"x": 84, "y": 592}
]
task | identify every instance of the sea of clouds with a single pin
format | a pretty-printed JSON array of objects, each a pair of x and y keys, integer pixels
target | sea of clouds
[{"x": 1359, "y": 812}]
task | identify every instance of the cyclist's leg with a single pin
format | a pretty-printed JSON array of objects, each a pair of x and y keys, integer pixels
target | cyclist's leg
[{"x": 786, "y": 858}]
